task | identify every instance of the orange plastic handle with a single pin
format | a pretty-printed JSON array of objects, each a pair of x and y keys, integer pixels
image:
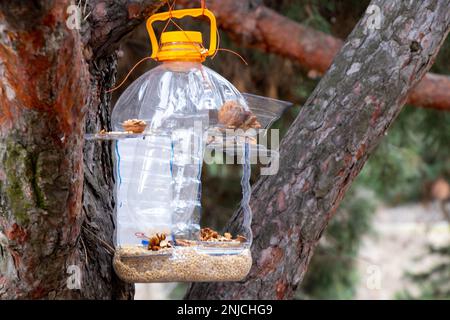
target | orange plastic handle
[{"x": 178, "y": 14}]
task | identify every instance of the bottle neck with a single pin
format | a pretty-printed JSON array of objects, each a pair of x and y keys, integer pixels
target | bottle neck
[
  {"x": 181, "y": 65},
  {"x": 181, "y": 51}
]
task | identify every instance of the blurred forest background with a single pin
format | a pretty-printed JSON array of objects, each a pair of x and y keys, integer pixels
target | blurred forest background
[{"x": 409, "y": 170}]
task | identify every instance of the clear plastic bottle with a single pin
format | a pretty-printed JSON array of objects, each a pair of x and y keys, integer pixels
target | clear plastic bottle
[
  {"x": 159, "y": 172},
  {"x": 162, "y": 125}
]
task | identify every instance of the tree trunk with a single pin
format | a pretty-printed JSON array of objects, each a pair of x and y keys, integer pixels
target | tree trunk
[
  {"x": 53, "y": 81},
  {"x": 327, "y": 145}
]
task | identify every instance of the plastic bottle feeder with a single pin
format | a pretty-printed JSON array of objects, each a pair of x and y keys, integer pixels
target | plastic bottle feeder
[{"x": 163, "y": 124}]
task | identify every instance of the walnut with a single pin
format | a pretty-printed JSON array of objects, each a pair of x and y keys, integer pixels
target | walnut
[
  {"x": 134, "y": 125},
  {"x": 252, "y": 122},
  {"x": 233, "y": 115},
  {"x": 158, "y": 242},
  {"x": 207, "y": 234}
]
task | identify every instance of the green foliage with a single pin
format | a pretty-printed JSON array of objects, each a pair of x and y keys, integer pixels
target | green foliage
[
  {"x": 433, "y": 283},
  {"x": 414, "y": 151},
  {"x": 308, "y": 12}
]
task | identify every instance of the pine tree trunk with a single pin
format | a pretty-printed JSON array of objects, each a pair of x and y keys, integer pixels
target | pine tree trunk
[
  {"x": 336, "y": 130},
  {"x": 56, "y": 226}
]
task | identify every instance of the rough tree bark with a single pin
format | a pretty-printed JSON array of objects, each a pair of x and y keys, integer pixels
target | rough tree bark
[
  {"x": 252, "y": 24},
  {"x": 54, "y": 80},
  {"x": 327, "y": 145}
]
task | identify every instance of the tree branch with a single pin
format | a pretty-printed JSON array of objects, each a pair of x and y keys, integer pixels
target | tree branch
[
  {"x": 111, "y": 20},
  {"x": 259, "y": 27},
  {"x": 339, "y": 126}
]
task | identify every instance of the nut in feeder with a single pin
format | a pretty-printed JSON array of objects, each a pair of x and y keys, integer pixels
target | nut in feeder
[{"x": 162, "y": 125}]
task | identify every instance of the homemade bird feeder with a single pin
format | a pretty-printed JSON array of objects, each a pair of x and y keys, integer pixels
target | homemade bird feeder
[{"x": 163, "y": 124}]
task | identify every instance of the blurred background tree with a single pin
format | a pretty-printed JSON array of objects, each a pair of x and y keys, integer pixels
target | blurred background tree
[{"x": 415, "y": 153}]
